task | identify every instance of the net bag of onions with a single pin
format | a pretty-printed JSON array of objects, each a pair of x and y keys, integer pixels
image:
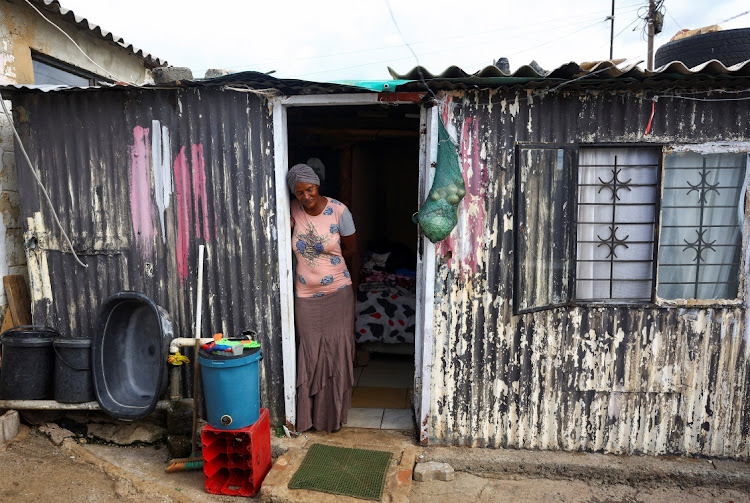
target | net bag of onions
[{"x": 438, "y": 215}]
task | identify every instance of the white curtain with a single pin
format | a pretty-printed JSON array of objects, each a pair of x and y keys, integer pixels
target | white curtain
[
  {"x": 702, "y": 212},
  {"x": 619, "y": 268}
]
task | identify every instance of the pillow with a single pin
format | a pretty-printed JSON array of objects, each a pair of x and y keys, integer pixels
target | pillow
[{"x": 376, "y": 261}]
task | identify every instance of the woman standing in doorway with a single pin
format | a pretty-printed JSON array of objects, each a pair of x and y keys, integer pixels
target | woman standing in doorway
[{"x": 323, "y": 236}]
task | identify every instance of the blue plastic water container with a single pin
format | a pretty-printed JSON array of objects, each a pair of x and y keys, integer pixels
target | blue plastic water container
[{"x": 231, "y": 388}]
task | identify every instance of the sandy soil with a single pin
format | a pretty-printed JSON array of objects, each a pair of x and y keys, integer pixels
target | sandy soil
[{"x": 33, "y": 469}]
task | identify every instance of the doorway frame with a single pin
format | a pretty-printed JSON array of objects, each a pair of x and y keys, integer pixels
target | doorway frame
[{"x": 425, "y": 260}]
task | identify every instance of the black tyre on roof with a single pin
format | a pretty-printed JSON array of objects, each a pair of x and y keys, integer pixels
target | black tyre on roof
[{"x": 728, "y": 46}]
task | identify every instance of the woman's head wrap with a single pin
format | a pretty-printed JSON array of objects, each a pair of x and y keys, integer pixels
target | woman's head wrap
[{"x": 301, "y": 173}]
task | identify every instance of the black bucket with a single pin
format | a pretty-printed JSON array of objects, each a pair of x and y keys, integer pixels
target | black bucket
[
  {"x": 73, "y": 381},
  {"x": 28, "y": 363}
]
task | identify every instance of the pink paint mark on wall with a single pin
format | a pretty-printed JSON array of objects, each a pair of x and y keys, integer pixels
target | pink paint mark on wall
[
  {"x": 474, "y": 171},
  {"x": 445, "y": 109},
  {"x": 141, "y": 207},
  {"x": 192, "y": 204},
  {"x": 184, "y": 201},
  {"x": 443, "y": 247},
  {"x": 465, "y": 242},
  {"x": 200, "y": 202}
]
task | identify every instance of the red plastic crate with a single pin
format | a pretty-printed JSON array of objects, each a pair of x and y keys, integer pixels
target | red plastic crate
[{"x": 235, "y": 462}]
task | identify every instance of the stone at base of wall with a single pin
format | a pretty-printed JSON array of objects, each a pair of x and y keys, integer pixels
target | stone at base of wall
[
  {"x": 10, "y": 424},
  {"x": 433, "y": 470},
  {"x": 179, "y": 446},
  {"x": 55, "y": 433},
  {"x": 128, "y": 433}
]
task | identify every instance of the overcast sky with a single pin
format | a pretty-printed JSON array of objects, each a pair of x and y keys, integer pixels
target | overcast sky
[{"x": 328, "y": 40}]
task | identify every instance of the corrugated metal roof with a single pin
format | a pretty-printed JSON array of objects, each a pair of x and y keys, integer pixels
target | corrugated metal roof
[
  {"x": 54, "y": 7},
  {"x": 251, "y": 81},
  {"x": 602, "y": 74},
  {"x": 258, "y": 80},
  {"x": 602, "y": 69}
]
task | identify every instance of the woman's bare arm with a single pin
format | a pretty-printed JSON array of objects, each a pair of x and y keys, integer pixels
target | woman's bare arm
[
  {"x": 348, "y": 245},
  {"x": 349, "y": 251}
]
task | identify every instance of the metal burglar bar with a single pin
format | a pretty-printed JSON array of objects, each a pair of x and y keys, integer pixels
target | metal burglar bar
[
  {"x": 617, "y": 209},
  {"x": 699, "y": 255}
]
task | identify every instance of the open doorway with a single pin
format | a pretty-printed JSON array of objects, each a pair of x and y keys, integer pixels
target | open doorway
[{"x": 367, "y": 157}]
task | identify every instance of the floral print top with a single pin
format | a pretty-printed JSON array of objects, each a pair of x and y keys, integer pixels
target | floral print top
[{"x": 321, "y": 269}]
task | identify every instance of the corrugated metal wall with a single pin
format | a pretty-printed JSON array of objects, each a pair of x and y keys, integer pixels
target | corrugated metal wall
[
  {"x": 614, "y": 379},
  {"x": 139, "y": 196}
]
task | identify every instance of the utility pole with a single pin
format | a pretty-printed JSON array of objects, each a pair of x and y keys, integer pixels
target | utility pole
[
  {"x": 650, "y": 59},
  {"x": 611, "y": 29}
]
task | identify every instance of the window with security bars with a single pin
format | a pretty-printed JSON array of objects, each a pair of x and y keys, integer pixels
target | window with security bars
[
  {"x": 617, "y": 209},
  {"x": 703, "y": 208},
  {"x": 587, "y": 218}
]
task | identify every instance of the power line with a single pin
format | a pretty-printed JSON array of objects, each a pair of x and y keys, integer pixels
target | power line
[
  {"x": 419, "y": 67},
  {"x": 540, "y": 27},
  {"x": 391, "y": 60},
  {"x": 628, "y": 26},
  {"x": 734, "y": 17},
  {"x": 669, "y": 13},
  {"x": 551, "y": 41},
  {"x": 38, "y": 180},
  {"x": 73, "y": 41}
]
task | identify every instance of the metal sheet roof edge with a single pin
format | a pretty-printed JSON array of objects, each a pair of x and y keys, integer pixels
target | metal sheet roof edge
[{"x": 54, "y": 7}]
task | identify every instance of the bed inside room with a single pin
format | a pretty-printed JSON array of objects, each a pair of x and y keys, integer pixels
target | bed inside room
[{"x": 368, "y": 158}]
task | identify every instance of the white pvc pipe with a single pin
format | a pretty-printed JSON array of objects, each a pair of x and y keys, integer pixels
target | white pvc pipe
[
  {"x": 186, "y": 342},
  {"x": 199, "y": 301},
  {"x": 53, "y": 405}
]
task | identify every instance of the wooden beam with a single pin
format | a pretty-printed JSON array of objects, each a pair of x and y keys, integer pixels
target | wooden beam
[
  {"x": 392, "y": 133},
  {"x": 7, "y": 321},
  {"x": 19, "y": 300}
]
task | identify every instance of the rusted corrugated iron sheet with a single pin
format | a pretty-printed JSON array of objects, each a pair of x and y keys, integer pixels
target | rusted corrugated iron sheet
[
  {"x": 619, "y": 379},
  {"x": 140, "y": 178}
]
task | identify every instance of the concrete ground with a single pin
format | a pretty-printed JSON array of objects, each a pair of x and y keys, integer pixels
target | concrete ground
[
  {"x": 398, "y": 478},
  {"x": 471, "y": 488},
  {"x": 501, "y": 475},
  {"x": 33, "y": 469}
]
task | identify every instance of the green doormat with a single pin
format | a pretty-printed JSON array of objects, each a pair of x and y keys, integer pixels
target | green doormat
[{"x": 339, "y": 470}]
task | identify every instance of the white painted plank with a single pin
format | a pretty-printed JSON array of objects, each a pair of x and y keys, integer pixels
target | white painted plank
[
  {"x": 341, "y": 99},
  {"x": 423, "y": 169},
  {"x": 286, "y": 287},
  {"x": 428, "y": 278}
]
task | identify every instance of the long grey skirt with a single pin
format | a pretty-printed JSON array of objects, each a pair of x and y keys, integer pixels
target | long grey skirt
[{"x": 325, "y": 333}]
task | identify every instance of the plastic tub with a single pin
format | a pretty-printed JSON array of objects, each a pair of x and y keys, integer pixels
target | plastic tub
[
  {"x": 231, "y": 389},
  {"x": 73, "y": 382},
  {"x": 129, "y": 355},
  {"x": 28, "y": 363}
]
